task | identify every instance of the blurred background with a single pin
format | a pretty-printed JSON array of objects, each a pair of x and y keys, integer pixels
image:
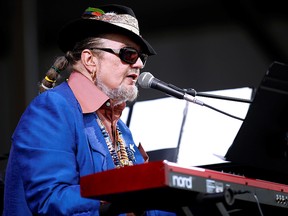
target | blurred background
[{"x": 202, "y": 44}]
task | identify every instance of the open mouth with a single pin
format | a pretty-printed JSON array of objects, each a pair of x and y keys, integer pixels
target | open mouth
[{"x": 133, "y": 77}]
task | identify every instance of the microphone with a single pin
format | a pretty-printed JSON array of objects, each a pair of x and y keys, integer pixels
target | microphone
[{"x": 147, "y": 80}]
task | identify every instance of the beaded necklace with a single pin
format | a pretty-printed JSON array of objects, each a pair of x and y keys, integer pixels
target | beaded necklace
[{"x": 123, "y": 156}]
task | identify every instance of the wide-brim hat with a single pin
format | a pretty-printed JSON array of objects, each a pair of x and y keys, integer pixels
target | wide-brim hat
[{"x": 104, "y": 19}]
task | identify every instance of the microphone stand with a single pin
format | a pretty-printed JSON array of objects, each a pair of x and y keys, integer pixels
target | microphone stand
[
  {"x": 181, "y": 131},
  {"x": 131, "y": 106},
  {"x": 189, "y": 95},
  {"x": 192, "y": 92}
]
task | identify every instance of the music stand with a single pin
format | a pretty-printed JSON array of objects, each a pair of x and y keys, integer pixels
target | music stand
[{"x": 261, "y": 142}]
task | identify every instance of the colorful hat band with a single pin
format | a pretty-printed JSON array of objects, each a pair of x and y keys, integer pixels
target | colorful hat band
[{"x": 122, "y": 20}]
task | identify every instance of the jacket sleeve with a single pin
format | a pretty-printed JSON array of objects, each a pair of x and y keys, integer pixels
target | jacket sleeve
[{"x": 45, "y": 143}]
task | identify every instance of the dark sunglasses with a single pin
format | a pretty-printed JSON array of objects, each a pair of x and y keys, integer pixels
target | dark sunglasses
[{"x": 126, "y": 54}]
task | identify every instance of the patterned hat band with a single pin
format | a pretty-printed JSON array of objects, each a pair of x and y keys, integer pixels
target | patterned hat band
[
  {"x": 105, "y": 19},
  {"x": 122, "y": 20}
]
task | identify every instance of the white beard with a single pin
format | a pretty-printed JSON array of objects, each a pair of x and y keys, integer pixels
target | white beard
[{"x": 120, "y": 94}]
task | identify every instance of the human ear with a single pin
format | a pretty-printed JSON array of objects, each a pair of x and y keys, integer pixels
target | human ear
[
  {"x": 88, "y": 59},
  {"x": 90, "y": 62}
]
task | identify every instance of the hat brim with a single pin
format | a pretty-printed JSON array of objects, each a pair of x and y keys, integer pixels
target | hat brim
[{"x": 80, "y": 29}]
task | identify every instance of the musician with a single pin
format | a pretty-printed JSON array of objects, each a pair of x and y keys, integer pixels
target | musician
[{"x": 73, "y": 128}]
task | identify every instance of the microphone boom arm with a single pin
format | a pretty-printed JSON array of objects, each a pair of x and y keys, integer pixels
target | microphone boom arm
[{"x": 189, "y": 95}]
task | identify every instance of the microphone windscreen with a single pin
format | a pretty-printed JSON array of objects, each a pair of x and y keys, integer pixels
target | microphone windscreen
[{"x": 145, "y": 79}]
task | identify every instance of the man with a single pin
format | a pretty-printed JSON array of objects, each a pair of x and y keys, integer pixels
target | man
[{"x": 73, "y": 128}]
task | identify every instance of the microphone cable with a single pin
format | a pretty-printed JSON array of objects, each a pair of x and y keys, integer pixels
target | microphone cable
[
  {"x": 193, "y": 93},
  {"x": 225, "y": 113}
]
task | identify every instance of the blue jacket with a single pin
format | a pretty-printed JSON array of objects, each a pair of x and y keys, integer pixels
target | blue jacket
[{"x": 53, "y": 145}]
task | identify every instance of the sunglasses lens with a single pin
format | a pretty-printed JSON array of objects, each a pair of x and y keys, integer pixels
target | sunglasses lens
[
  {"x": 129, "y": 55},
  {"x": 143, "y": 58}
]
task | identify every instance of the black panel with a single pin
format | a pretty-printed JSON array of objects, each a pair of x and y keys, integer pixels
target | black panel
[{"x": 261, "y": 143}]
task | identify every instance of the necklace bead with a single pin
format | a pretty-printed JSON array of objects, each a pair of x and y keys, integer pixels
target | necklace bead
[{"x": 123, "y": 156}]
